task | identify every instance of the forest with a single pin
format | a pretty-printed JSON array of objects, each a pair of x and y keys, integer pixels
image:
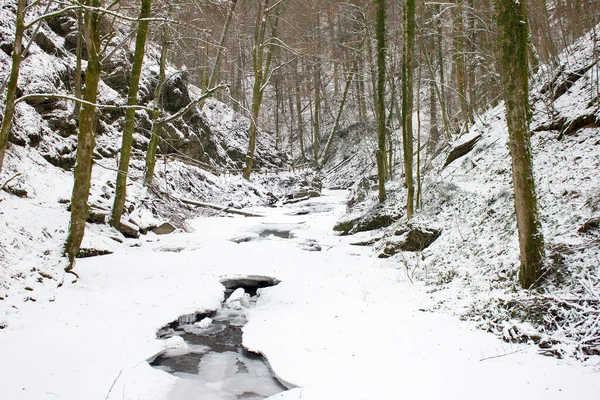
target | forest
[{"x": 299, "y": 199}]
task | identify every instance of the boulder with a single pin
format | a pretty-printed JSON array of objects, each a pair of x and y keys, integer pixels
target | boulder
[
  {"x": 91, "y": 252},
  {"x": 361, "y": 191},
  {"x": 375, "y": 218},
  {"x": 176, "y": 94},
  {"x": 345, "y": 225},
  {"x": 128, "y": 229},
  {"x": 45, "y": 42},
  {"x": 306, "y": 192},
  {"x": 164, "y": 229},
  {"x": 412, "y": 238},
  {"x": 97, "y": 216}
]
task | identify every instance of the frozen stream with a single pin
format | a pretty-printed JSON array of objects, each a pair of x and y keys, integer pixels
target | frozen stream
[
  {"x": 342, "y": 324},
  {"x": 212, "y": 364}
]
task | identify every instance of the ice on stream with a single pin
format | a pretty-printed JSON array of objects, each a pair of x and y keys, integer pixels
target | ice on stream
[{"x": 225, "y": 376}]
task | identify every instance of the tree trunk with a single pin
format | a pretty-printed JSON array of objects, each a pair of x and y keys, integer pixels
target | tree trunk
[
  {"x": 261, "y": 66},
  {"x": 79, "y": 49},
  {"x": 157, "y": 127},
  {"x": 444, "y": 104},
  {"x": 86, "y": 137},
  {"x": 419, "y": 200},
  {"x": 407, "y": 103},
  {"x": 134, "y": 83},
  {"x": 337, "y": 119},
  {"x": 513, "y": 38},
  {"x": 215, "y": 69},
  {"x": 300, "y": 121},
  {"x": 380, "y": 103},
  {"x": 277, "y": 111},
  {"x": 434, "y": 132},
  {"x": 459, "y": 61},
  {"x": 292, "y": 117},
  {"x": 11, "y": 94},
  {"x": 317, "y": 111},
  {"x": 360, "y": 89}
]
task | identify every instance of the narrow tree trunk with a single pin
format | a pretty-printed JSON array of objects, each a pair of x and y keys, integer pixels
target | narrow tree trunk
[
  {"x": 300, "y": 121},
  {"x": 261, "y": 76},
  {"x": 459, "y": 62},
  {"x": 380, "y": 103},
  {"x": 316, "y": 113},
  {"x": 418, "y": 200},
  {"x": 134, "y": 83},
  {"x": 471, "y": 62},
  {"x": 255, "y": 111},
  {"x": 86, "y": 137},
  {"x": 434, "y": 132},
  {"x": 11, "y": 94},
  {"x": 212, "y": 80},
  {"x": 446, "y": 108},
  {"x": 292, "y": 117},
  {"x": 513, "y": 38},
  {"x": 337, "y": 119},
  {"x": 277, "y": 110},
  {"x": 79, "y": 50},
  {"x": 157, "y": 127},
  {"x": 407, "y": 103}
]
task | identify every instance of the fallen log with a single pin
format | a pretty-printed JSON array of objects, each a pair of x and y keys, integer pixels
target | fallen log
[
  {"x": 219, "y": 208},
  {"x": 461, "y": 150}
]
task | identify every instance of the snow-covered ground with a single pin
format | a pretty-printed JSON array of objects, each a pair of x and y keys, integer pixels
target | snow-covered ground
[{"x": 340, "y": 325}]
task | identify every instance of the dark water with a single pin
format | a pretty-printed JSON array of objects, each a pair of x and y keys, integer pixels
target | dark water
[{"x": 213, "y": 364}]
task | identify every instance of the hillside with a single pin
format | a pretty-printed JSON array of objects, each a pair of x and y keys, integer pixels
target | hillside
[
  {"x": 37, "y": 175},
  {"x": 471, "y": 268}
]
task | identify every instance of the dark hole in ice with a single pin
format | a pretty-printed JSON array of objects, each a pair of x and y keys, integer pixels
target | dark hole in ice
[
  {"x": 213, "y": 363},
  {"x": 284, "y": 234},
  {"x": 250, "y": 283}
]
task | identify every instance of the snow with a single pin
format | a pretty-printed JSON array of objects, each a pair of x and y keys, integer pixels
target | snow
[{"x": 341, "y": 324}]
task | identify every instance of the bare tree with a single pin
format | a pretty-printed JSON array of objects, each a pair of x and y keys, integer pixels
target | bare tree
[
  {"x": 513, "y": 58},
  {"x": 86, "y": 140}
]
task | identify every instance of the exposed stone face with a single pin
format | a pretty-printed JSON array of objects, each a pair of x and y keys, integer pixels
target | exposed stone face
[
  {"x": 176, "y": 93},
  {"x": 376, "y": 218},
  {"x": 91, "y": 252},
  {"x": 164, "y": 229},
  {"x": 130, "y": 230},
  {"x": 410, "y": 238}
]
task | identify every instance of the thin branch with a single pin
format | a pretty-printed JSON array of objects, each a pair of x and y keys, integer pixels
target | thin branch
[
  {"x": 81, "y": 101},
  {"x": 10, "y": 179},
  {"x": 50, "y": 15}
]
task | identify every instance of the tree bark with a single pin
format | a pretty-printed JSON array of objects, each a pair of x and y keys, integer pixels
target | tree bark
[
  {"x": 79, "y": 50},
  {"x": 261, "y": 67},
  {"x": 407, "y": 103},
  {"x": 513, "y": 38},
  {"x": 86, "y": 137},
  {"x": 157, "y": 127},
  {"x": 134, "y": 83},
  {"x": 300, "y": 121},
  {"x": 215, "y": 69},
  {"x": 316, "y": 113},
  {"x": 380, "y": 103},
  {"x": 459, "y": 61},
  {"x": 11, "y": 94},
  {"x": 337, "y": 119}
]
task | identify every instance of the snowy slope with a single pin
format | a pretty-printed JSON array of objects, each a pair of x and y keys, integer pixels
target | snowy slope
[
  {"x": 34, "y": 207},
  {"x": 472, "y": 267}
]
